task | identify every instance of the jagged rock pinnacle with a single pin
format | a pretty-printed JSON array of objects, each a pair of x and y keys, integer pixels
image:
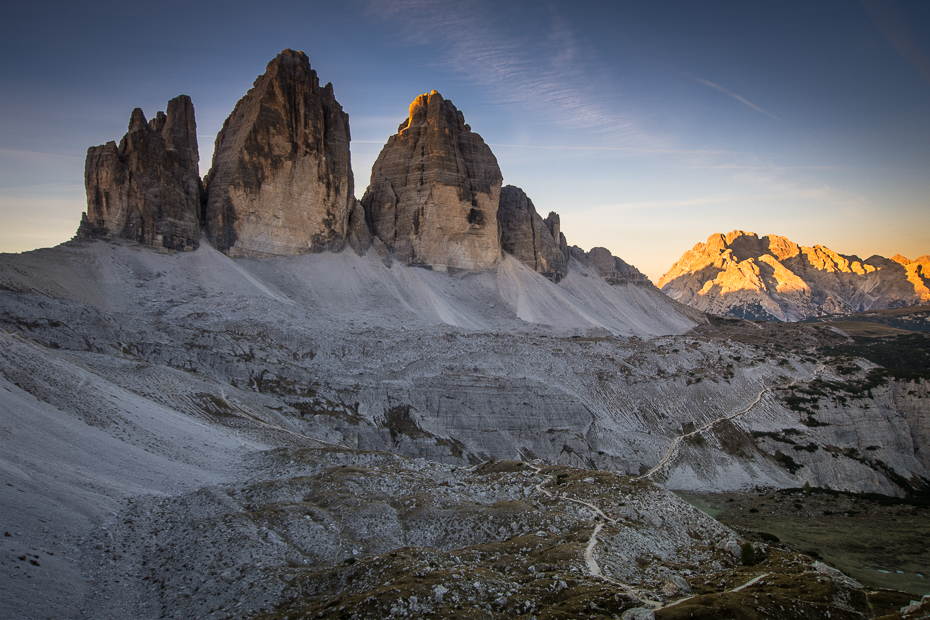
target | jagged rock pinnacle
[
  {"x": 148, "y": 189},
  {"x": 530, "y": 239}
]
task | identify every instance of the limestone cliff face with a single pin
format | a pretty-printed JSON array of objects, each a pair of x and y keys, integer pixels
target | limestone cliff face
[
  {"x": 743, "y": 276},
  {"x": 917, "y": 273},
  {"x": 434, "y": 191},
  {"x": 281, "y": 181},
  {"x": 530, "y": 239},
  {"x": 147, "y": 189},
  {"x": 612, "y": 269}
]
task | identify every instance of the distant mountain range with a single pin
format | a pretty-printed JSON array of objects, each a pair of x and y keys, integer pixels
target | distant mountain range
[{"x": 772, "y": 278}]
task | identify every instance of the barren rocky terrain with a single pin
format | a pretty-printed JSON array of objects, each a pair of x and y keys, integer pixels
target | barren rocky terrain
[{"x": 185, "y": 435}]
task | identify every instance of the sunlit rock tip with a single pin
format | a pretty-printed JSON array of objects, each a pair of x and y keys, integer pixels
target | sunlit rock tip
[
  {"x": 148, "y": 188},
  {"x": 281, "y": 181},
  {"x": 434, "y": 191},
  {"x": 742, "y": 275}
]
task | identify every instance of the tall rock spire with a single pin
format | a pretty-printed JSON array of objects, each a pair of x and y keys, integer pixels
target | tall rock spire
[
  {"x": 281, "y": 181},
  {"x": 434, "y": 191},
  {"x": 148, "y": 189}
]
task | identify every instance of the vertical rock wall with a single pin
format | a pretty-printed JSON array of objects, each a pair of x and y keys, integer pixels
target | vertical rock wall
[
  {"x": 281, "y": 181},
  {"x": 530, "y": 239},
  {"x": 281, "y": 184},
  {"x": 434, "y": 191},
  {"x": 147, "y": 189}
]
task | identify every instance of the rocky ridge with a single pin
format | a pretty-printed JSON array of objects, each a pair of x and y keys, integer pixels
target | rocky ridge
[
  {"x": 773, "y": 278},
  {"x": 176, "y": 426},
  {"x": 147, "y": 189},
  {"x": 483, "y": 365},
  {"x": 612, "y": 269},
  {"x": 281, "y": 184}
]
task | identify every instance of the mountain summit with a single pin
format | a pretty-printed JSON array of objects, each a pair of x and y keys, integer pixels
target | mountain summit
[
  {"x": 281, "y": 181},
  {"x": 281, "y": 184},
  {"x": 773, "y": 278},
  {"x": 435, "y": 189}
]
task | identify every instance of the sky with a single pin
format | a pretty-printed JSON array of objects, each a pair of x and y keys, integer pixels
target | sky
[{"x": 648, "y": 126}]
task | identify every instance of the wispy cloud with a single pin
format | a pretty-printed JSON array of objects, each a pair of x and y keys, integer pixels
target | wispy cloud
[
  {"x": 763, "y": 167},
  {"x": 824, "y": 195},
  {"x": 776, "y": 184},
  {"x": 619, "y": 149},
  {"x": 742, "y": 100},
  {"x": 20, "y": 154},
  {"x": 761, "y": 186},
  {"x": 553, "y": 74}
]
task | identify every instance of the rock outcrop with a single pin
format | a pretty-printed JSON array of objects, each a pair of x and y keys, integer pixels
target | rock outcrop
[
  {"x": 535, "y": 242},
  {"x": 281, "y": 181},
  {"x": 612, "y": 269},
  {"x": 434, "y": 191},
  {"x": 773, "y": 278},
  {"x": 147, "y": 189}
]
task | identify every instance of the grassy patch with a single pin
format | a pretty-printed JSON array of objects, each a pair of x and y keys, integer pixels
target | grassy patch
[
  {"x": 787, "y": 462},
  {"x": 907, "y": 350},
  {"x": 859, "y": 533}
]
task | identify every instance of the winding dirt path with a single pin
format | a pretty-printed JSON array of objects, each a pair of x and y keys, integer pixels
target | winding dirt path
[
  {"x": 750, "y": 582},
  {"x": 594, "y": 569},
  {"x": 672, "y": 448},
  {"x": 736, "y": 589},
  {"x": 589, "y": 560}
]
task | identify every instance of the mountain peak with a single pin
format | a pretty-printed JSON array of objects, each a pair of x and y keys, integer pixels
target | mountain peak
[
  {"x": 435, "y": 191},
  {"x": 281, "y": 181},
  {"x": 148, "y": 189},
  {"x": 744, "y": 276},
  {"x": 431, "y": 109}
]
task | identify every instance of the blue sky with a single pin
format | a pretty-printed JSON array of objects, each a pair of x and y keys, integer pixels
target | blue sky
[{"x": 647, "y": 126}]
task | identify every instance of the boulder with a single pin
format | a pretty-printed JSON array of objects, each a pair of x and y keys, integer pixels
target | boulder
[
  {"x": 281, "y": 181},
  {"x": 434, "y": 191},
  {"x": 148, "y": 189},
  {"x": 530, "y": 239}
]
